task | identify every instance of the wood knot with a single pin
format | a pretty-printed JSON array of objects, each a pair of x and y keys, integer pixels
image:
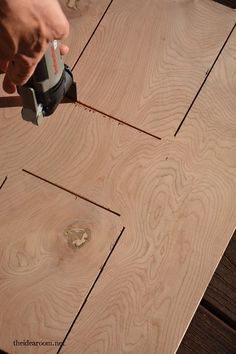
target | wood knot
[
  {"x": 76, "y": 235},
  {"x": 72, "y": 4}
]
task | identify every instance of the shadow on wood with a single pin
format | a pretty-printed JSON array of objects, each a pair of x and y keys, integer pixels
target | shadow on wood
[
  {"x": 15, "y": 101},
  {"x": 229, "y": 3},
  {"x": 11, "y": 101}
]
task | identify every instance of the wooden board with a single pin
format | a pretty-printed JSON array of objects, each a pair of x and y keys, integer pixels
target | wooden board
[
  {"x": 176, "y": 198},
  {"x": 207, "y": 334},
  {"x": 220, "y": 296},
  {"x": 53, "y": 245},
  {"x": 146, "y": 62},
  {"x": 177, "y": 201}
]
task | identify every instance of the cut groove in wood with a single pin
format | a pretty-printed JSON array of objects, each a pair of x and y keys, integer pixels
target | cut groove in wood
[
  {"x": 84, "y": 16},
  {"x": 92, "y": 287},
  {"x": 94, "y": 31},
  {"x": 204, "y": 81},
  {"x": 118, "y": 120},
  {"x": 3, "y": 182},
  {"x": 69, "y": 191}
]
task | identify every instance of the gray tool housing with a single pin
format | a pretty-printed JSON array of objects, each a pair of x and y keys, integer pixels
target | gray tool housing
[{"x": 50, "y": 83}]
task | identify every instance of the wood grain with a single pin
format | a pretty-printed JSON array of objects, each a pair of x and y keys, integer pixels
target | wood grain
[
  {"x": 176, "y": 198},
  {"x": 83, "y": 16},
  {"x": 207, "y": 334},
  {"x": 220, "y": 295},
  {"x": 147, "y": 60},
  {"x": 52, "y": 247}
]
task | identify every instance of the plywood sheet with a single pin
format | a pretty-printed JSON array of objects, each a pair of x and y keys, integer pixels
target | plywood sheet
[
  {"x": 69, "y": 147},
  {"x": 176, "y": 198},
  {"x": 52, "y": 246},
  {"x": 147, "y": 60},
  {"x": 185, "y": 217}
]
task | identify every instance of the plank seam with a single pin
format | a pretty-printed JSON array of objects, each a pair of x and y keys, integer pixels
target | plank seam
[
  {"x": 4, "y": 181},
  {"x": 94, "y": 31},
  {"x": 105, "y": 115},
  {"x": 204, "y": 81},
  {"x": 71, "y": 192},
  {"x": 218, "y": 313},
  {"x": 192, "y": 328},
  {"x": 91, "y": 288}
]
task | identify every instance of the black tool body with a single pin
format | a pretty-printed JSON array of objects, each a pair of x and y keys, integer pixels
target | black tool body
[{"x": 50, "y": 83}]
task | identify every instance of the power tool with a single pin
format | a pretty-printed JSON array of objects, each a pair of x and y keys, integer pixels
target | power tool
[{"x": 51, "y": 81}]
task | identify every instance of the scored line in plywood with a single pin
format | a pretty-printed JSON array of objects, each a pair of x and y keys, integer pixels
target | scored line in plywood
[
  {"x": 99, "y": 22},
  {"x": 117, "y": 120},
  {"x": 78, "y": 150},
  {"x": 3, "y": 182},
  {"x": 204, "y": 81},
  {"x": 71, "y": 192},
  {"x": 84, "y": 17},
  {"x": 147, "y": 60},
  {"x": 52, "y": 248}
]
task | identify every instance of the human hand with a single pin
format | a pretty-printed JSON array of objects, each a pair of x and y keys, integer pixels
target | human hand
[{"x": 26, "y": 27}]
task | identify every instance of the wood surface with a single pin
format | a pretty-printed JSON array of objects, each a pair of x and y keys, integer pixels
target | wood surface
[
  {"x": 147, "y": 60},
  {"x": 176, "y": 198},
  {"x": 84, "y": 16},
  {"x": 207, "y": 334},
  {"x": 179, "y": 216},
  {"x": 220, "y": 296},
  {"x": 52, "y": 247}
]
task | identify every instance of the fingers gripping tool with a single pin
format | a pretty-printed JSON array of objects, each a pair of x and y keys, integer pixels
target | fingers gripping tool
[{"x": 51, "y": 82}]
